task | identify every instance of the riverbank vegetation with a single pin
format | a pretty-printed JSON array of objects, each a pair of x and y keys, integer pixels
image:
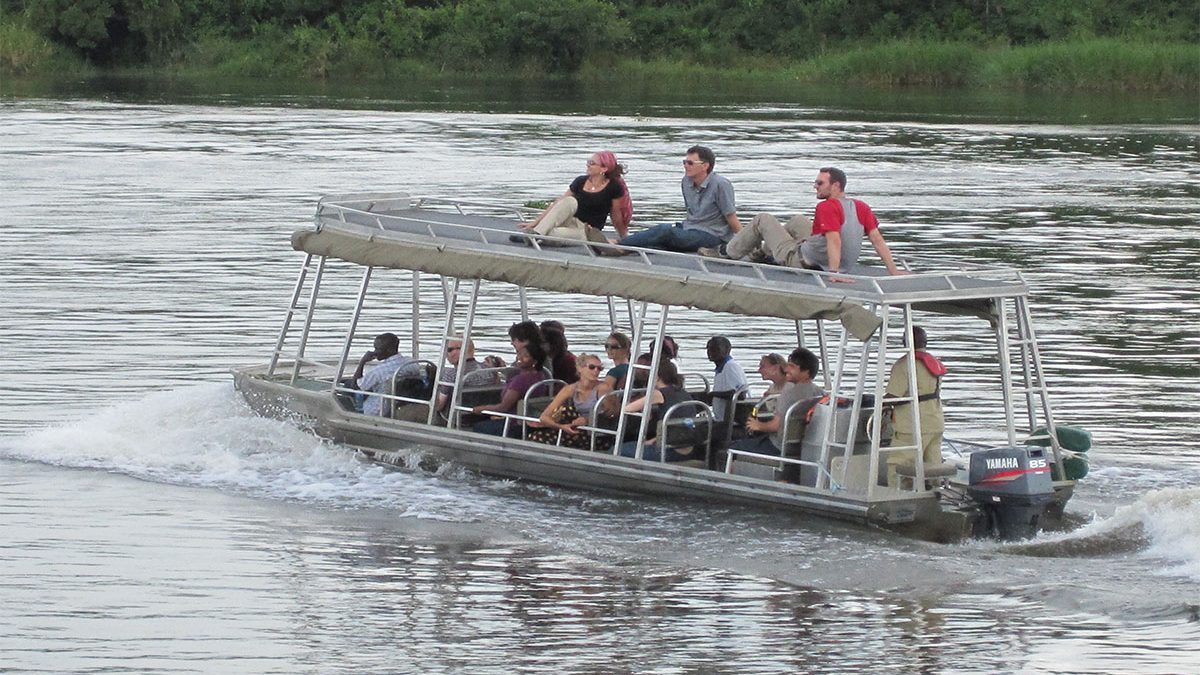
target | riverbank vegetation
[{"x": 1101, "y": 44}]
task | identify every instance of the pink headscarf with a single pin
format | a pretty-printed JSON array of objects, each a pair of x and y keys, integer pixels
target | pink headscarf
[{"x": 614, "y": 170}]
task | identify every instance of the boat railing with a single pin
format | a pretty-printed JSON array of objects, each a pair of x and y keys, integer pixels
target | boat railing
[
  {"x": 350, "y": 209},
  {"x": 702, "y": 415},
  {"x": 526, "y": 406},
  {"x": 834, "y": 486}
]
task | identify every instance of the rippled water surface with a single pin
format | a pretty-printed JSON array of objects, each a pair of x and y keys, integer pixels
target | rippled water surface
[{"x": 150, "y": 523}]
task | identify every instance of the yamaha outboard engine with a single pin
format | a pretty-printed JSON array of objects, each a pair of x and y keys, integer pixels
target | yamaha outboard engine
[{"x": 1013, "y": 488}]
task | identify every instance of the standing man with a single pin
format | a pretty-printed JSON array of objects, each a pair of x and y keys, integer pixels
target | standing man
[
  {"x": 831, "y": 241},
  {"x": 711, "y": 211},
  {"x": 929, "y": 408},
  {"x": 379, "y": 379}
]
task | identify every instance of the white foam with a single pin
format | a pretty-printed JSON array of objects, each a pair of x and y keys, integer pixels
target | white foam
[
  {"x": 206, "y": 436},
  {"x": 1168, "y": 518}
]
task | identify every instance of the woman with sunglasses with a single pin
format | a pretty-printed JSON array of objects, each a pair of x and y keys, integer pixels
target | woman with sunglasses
[
  {"x": 619, "y": 349},
  {"x": 571, "y": 408},
  {"x": 590, "y": 200}
]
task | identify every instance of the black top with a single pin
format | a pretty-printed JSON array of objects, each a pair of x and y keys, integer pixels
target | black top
[
  {"x": 594, "y": 207},
  {"x": 671, "y": 396}
]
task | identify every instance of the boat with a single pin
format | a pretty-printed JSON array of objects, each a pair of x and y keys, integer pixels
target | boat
[{"x": 445, "y": 260}]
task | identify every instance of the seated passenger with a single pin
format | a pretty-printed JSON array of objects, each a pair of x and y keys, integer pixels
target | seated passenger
[
  {"x": 590, "y": 200},
  {"x": 571, "y": 408},
  {"x": 668, "y": 391},
  {"x": 801, "y": 367},
  {"x": 562, "y": 361},
  {"x": 728, "y": 377},
  {"x": 471, "y": 378},
  {"x": 378, "y": 380},
  {"x": 529, "y": 362},
  {"x": 619, "y": 349}
]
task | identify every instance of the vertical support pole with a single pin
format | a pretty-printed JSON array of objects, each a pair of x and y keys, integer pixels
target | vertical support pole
[
  {"x": 358, "y": 305},
  {"x": 448, "y": 330},
  {"x": 524, "y": 303},
  {"x": 1010, "y": 424},
  {"x": 881, "y": 371},
  {"x": 612, "y": 315},
  {"x": 416, "y": 315},
  {"x": 823, "y": 346},
  {"x": 636, "y": 319},
  {"x": 910, "y": 352}
]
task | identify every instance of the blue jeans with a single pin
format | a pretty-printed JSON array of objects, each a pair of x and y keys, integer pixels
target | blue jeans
[
  {"x": 650, "y": 452},
  {"x": 668, "y": 237}
]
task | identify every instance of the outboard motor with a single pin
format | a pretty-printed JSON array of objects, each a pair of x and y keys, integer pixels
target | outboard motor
[{"x": 1013, "y": 487}]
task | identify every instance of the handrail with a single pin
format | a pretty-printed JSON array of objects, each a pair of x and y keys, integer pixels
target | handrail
[
  {"x": 647, "y": 256},
  {"x": 834, "y": 486},
  {"x": 705, "y": 411}
]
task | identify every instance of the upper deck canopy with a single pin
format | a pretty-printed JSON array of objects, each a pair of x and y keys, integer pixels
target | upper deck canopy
[{"x": 472, "y": 242}]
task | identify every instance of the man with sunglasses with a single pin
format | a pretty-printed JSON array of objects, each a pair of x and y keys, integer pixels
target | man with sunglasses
[
  {"x": 711, "y": 212},
  {"x": 830, "y": 242}
]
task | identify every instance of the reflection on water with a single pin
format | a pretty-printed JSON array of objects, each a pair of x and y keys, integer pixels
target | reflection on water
[{"x": 147, "y": 249}]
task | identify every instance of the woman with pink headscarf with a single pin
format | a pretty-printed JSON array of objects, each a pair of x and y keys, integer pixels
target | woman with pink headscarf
[{"x": 590, "y": 200}]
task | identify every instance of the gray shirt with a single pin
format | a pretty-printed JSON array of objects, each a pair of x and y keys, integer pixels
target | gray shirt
[
  {"x": 708, "y": 204},
  {"x": 790, "y": 395},
  {"x": 815, "y": 250}
]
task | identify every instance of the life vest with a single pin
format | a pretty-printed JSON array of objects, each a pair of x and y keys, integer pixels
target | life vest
[{"x": 936, "y": 369}]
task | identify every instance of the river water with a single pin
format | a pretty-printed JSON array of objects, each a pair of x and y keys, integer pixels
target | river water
[{"x": 150, "y": 523}]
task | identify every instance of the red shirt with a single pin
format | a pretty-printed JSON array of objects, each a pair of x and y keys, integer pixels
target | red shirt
[{"x": 830, "y": 216}]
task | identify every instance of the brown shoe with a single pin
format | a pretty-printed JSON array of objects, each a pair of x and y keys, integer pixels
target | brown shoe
[{"x": 712, "y": 252}]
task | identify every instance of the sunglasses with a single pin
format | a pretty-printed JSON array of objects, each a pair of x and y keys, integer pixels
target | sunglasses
[
  {"x": 692, "y": 162},
  {"x": 610, "y": 345},
  {"x": 592, "y": 366}
]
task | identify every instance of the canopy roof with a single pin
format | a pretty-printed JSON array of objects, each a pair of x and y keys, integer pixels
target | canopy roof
[{"x": 397, "y": 232}]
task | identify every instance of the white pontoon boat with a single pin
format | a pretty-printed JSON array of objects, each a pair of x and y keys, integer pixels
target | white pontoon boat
[{"x": 444, "y": 256}]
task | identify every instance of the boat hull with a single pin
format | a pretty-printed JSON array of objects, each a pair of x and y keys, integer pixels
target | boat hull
[{"x": 394, "y": 442}]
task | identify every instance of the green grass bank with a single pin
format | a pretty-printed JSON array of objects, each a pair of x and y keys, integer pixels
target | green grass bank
[{"x": 1097, "y": 64}]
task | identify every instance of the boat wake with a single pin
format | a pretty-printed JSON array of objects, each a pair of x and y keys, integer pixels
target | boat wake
[
  {"x": 206, "y": 436},
  {"x": 1163, "y": 525}
]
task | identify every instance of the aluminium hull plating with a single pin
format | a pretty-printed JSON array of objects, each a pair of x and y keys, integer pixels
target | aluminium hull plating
[{"x": 390, "y": 441}]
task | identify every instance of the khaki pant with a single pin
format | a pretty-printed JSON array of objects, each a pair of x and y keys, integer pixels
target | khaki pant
[
  {"x": 560, "y": 221},
  {"x": 781, "y": 241},
  {"x": 931, "y": 452}
]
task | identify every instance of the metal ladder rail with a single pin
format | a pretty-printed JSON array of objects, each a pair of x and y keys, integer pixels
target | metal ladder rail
[
  {"x": 450, "y": 293},
  {"x": 287, "y": 317},
  {"x": 358, "y": 305},
  {"x": 308, "y": 315},
  {"x": 636, "y": 317},
  {"x": 855, "y": 410},
  {"x": 1006, "y": 386},
  {"x": 914, "y": 400},
  {"x": 655, "y": 357},
  {"x": 1038, "y": 382},
  {"x": 877, "y": 413},
  {"x": 452, "y": 421},
  {"x": 828, "y": 438}
]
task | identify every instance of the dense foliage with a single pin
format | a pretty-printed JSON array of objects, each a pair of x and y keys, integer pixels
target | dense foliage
[{"x": 561, "y": 36}]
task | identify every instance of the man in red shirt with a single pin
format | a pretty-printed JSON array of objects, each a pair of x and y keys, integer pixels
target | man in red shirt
[{"x": 835, "y": 239}]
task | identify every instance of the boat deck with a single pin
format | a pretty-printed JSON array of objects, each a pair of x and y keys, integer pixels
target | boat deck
[{"x": 476, "y": 241}]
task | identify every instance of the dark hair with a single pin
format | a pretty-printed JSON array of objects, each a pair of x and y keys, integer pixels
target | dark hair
[
  {"x": 621, "y": 339},
  {"x": 390, "y": 341},
  {"x": 836, "y": 175},
  {"x": 705, "y": 154},
  {"x": 670, "y": 348},
  {"x": 537, "y": 353},
  {"x": 919, "y": 337},
  {"x": 806, "y": 360},
  {"x": 556, "y": 342},
  {"x": 668, "y": 373},
  {"x": 525, "y": 331},
  {"x": 720, "y": 342},
  {"x": 553, "y": 324}
]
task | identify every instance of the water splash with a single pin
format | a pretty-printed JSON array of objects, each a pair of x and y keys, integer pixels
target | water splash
[
  {"x": 205, "y": 436},
  {"x": 1163, "y": 524}
]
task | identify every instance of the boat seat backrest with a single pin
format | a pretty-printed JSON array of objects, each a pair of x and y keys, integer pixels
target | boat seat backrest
[{"x": 686, "y": 425}]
